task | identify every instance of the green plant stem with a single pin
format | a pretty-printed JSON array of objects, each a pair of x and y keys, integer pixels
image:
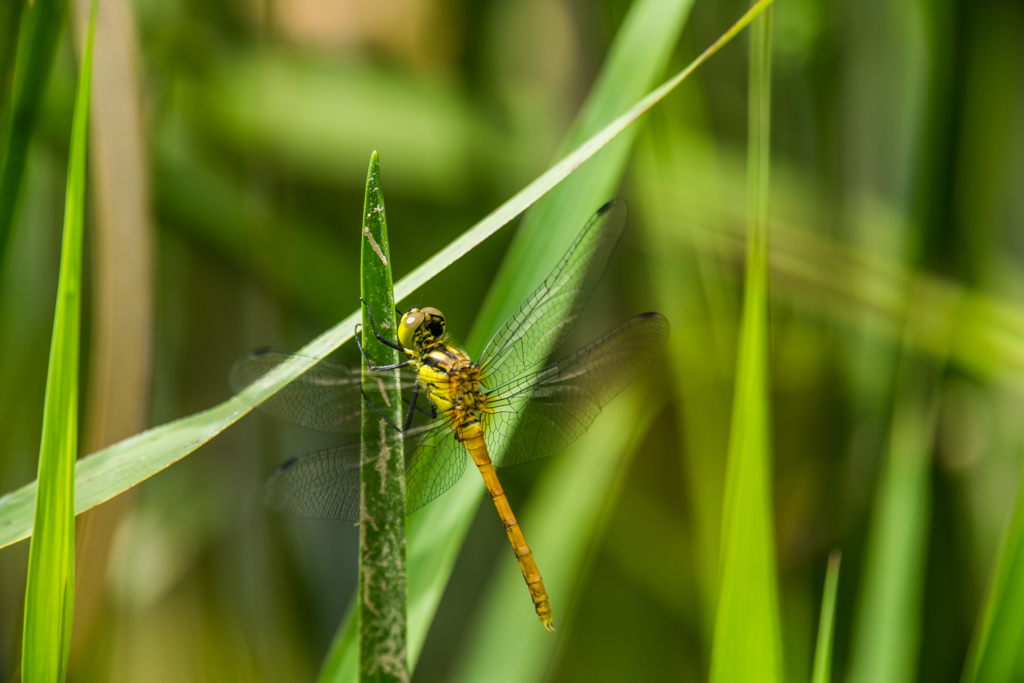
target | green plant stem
[
  {"x": 49, "y": 595},
  {"x": 827, "y": 622},
  {"x": 382, "y": 592}
]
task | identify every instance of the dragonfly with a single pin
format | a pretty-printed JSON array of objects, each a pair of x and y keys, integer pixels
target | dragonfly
[{"x": 505, "y": 408}]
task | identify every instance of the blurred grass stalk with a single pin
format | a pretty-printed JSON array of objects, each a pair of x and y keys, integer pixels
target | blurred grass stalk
[
  {"x": 49, "y": 595},
  {"x": 827, "y": 622},
  {"x": 383, "y": 654},
  {"x": 748, "y": 642},
  {"x": 887, "y": 627},
  {"x": 120, "y": 365},
  {"x": 36, "y": 48},
  {"x": 995, "y": 654}
]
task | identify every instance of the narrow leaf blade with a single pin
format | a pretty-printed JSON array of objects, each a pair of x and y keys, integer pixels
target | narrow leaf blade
[
  {"x": 747, "y": 642},
  {"x": 827, "y": 622},
  {"x": 49, "y": 595},
  {"x": 382, "y": 591}
]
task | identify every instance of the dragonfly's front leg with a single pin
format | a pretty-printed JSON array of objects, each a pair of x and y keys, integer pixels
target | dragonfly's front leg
[
  {"x": 373, "y": 326},
  {"x": 369, "y": 363}
]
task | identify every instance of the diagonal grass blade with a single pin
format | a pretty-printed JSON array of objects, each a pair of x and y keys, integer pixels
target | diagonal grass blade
[{"x": 113, "y": 470}]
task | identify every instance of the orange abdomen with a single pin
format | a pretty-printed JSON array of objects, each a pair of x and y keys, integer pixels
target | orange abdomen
[{"x": 472, "y": 437}]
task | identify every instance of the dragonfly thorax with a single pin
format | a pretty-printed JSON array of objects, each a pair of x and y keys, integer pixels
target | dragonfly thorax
[{"x": 452, "y": 381}]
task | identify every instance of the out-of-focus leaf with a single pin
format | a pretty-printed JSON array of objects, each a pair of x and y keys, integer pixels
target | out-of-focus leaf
[
  {"x": 888, "y": 621},
  {"x": 827, "y": 622},
  {"x": 995, "y": 655},
  {"x": 36, "y": 50},
  {"x": 202, "y": 201},
  {"x": 320, "y": 118},
  {"x": 50, "y": 593},
  {"x": 748, "y": 634},
  {"x": 888, "y": 624},
  {"x": 10, "y": 25},
  {"x": 677, "y": 179}
]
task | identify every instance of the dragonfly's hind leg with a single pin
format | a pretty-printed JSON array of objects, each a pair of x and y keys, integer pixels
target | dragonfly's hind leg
[
  {"x": 412, "y": 407},
  {"x": 382, "y": 415}
]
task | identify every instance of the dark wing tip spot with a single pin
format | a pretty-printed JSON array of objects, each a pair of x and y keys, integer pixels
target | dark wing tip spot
[
  {"x": 262, "y": 351},
  {"x": 285, "y": 466},
  {"x": 606, "y": 208}
]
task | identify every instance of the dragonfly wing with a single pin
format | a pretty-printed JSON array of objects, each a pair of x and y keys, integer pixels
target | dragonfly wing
[
  {"x": 540, "y": 415},
  {"x": 435, "y": 465},
  {"x": 326, "y": 484},
  {"x": 550, "y": 313},
  {"x": 320, "y": 485},
  {"x": 327, "y": 397}
]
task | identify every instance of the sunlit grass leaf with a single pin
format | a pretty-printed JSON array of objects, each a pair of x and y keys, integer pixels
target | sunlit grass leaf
[
  {"x": 113, "y": 470},
  {"x": 996, "y": 655},
  {"x": 747, "y": 642},
  {"x": 49, "y": 595},
  {"x": 827, "y": 622},
  {"x": 887, "y": 627},
  {"x": 382, "y": 592}
]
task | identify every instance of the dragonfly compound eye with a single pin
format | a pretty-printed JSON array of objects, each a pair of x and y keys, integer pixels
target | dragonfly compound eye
[
  {"x": 434, "y": 323},
  {"x": 411, "y": 322}
]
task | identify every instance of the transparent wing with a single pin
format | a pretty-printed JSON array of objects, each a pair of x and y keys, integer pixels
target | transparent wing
[
  {"x": 327, "y": 397},
  {"x": 547, "y": 317},
  {"x": 326, "y": 484},
  {"x": 541, "y": 414}
]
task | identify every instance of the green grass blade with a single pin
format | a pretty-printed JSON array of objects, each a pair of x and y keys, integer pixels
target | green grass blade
[
  {"x": 105, "y": 474},
  {"x": 505, "y": 643},
  {"x": 747, "y": 642},
  {"x": 888, "y": 622},
  {"x": 10, "y": 26},
  {"x": 49, "y": 595},
  {"x": 827, "y": 622},
  {"x": 995, "y": 655},
  {"x": 382, "y": 630},
  {"x": 36, "y": 53},
  {"x": 638, "y": 56}
]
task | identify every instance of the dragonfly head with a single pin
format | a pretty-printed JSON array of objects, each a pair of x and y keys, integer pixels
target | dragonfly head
[{"x": 421, "y": 327}]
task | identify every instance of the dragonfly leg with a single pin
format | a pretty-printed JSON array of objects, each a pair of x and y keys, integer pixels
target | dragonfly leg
[
  {"x": 412, "y": 407},
  {"x": 373, "y": 326},
  {"x": 383, "y": 416},
  {"x": 369, "y": 363}
]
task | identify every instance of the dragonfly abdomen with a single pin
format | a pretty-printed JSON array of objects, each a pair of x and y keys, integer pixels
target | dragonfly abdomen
[{"x": 472, "y": 437}]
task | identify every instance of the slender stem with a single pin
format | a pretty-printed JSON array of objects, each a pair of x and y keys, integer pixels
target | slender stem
[{"x": 382, "y": 587}]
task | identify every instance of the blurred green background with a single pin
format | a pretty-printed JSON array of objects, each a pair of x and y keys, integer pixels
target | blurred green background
[{"x": 230, "y": 142}]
